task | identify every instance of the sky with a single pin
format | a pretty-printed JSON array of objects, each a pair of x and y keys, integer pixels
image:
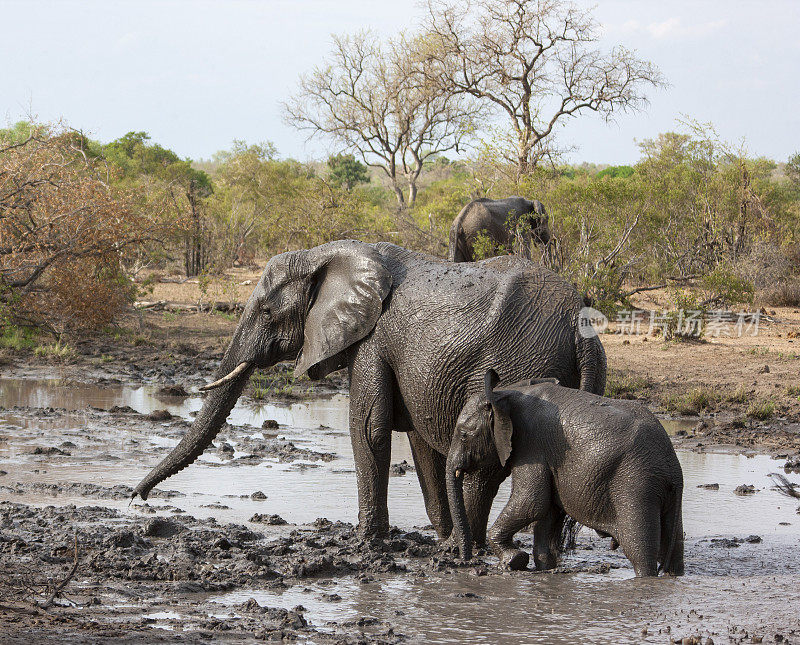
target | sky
[{"x": 197, "y": 75}]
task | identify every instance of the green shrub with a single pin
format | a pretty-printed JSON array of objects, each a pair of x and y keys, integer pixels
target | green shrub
[
  {"x": 626, "y": 386},
  {"x": 676, "y": 326},
  {"x": 55, "y": 350},
  {"x": 724, "y": 287},
  {"x": 484, "y": 247},
  {"x": 17, "y": 338},
  {"x": 739, "y": 395},
  {"x": 691, "y": 403},
  {"x": 761, "y": 410}
]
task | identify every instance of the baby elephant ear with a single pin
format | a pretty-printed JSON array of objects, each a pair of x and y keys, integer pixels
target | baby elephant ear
[
  {"x": 501, "y": 432},
  {"x": 490, "y": 381}
]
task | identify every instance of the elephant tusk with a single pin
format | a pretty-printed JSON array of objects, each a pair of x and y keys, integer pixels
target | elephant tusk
[{"x": 241, "y": 367}]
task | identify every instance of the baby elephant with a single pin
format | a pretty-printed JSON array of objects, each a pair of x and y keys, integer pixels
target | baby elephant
[{"x": 607, "y": 464}]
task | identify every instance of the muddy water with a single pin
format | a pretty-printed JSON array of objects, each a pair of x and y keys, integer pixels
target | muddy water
[{"x": 728, "y": 583}]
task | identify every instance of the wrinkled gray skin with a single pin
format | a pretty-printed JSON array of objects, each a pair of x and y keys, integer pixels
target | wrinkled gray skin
[
  {"x": 608, "y": 464},
  {"x": 416, "y": 334},
  {"x": 491, "y": 217}
]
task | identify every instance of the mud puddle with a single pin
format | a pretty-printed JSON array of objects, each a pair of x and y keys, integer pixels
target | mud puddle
[{"x": 743, "y": 551}]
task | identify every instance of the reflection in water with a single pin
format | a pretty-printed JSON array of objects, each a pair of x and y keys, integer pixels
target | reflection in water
[
  {"x": 513, "y": 608},
  {"x": 301, "y": 495}
]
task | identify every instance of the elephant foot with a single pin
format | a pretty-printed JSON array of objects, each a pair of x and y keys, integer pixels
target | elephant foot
[
  {"x": 448, "y": 545},
  {"x": 514, "y": 559},
  {"x": 545, "y": 561},
  {"x": 374, "y": 528}
]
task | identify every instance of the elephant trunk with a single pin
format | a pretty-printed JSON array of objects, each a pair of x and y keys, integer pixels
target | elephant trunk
[
  {"x": 458, "y": 512},
  {"x": 214, "y": 413}
]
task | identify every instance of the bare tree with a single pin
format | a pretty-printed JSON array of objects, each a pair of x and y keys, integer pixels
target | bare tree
[
  {"x": 533, "y": 61},
  {"x": 374, "y": 101}
]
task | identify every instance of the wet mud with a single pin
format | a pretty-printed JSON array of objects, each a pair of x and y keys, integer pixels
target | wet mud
[{"x": 255, "y": 541}]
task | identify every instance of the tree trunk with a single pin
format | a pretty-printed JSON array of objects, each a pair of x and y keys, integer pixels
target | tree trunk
[
  {"x": 194, "y": 262},
  {"x": 412, "y": 193},
  {"x": 399, "y": 194}
]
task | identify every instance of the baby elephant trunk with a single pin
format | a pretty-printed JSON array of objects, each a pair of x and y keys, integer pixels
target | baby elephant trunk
[{"x": 458, "y": 512}]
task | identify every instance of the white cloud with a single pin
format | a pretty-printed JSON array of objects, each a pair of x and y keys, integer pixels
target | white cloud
[{"x": 664, "y": 29}]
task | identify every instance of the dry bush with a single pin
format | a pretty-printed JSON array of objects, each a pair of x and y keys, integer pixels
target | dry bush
[
  {"x": 63, "y": 234},
  {"x": 783, "y": 294},
  {"x": 773, "y": 271}
]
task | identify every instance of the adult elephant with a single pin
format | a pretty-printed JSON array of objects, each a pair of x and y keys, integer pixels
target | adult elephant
[
  {"x": 511, "y": 222},
  {"x": 417, "y": 335}
]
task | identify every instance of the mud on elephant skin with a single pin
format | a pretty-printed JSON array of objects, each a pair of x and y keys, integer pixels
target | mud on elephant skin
[
  {"x": 607, "y": 464},
  {"x": 513, "y": 223},
  {"x": 417, "y": 334}
]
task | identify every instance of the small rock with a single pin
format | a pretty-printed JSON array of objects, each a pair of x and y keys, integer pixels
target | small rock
[
  {"x": 397, "y": 470},
  {"x": 753, "y": 539},
  {"x": 173, "y": 390},
  {"x": 792, "y": 465},
  {"x": 709, "y": 486},
  {"x": 125, "y": 540},
  {"x": 161, "y": 528},
  {"x": 764, "y": 370},
  {"x": 225, "y": 448},
  {"x": 50, "y": 450},
  {"x": 258, "y": 495},
  {"x": 745, "y": 489},
  {"x": 274, "y": 520},
  {"x": 122, "y": 409},
  {"x": 270, "y": 424},
  {"x": 159, "y": 415}
]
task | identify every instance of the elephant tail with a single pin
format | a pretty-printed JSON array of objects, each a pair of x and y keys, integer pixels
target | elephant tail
[
  {"x": 457, "y": 251},
  {"x": 672, "y": 526},
  {"x": 591, "y": 364}
]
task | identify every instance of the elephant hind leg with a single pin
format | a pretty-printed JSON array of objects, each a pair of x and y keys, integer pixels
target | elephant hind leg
[
  {"x": 671, "y": 552},
  {"x": 639, "y": 535},
  {"x": 547, "y": 539},
  {"x": 431, "y": 474}
]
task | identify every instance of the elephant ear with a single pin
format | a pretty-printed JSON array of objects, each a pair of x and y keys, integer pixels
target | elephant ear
[
  {"x": 501, "y": 420},
  {"x": 490, "y": 381},
  {"x": 349, "y": 285},
  {"x": 502, "y": 429}
]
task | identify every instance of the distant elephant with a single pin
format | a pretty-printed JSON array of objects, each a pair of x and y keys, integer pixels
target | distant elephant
[
  {"x": 416, "y": 334},
  {"x": 513, "y": 223},
  {"x": 608, "y": 464}
]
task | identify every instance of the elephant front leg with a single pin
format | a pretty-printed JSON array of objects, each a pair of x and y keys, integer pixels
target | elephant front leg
[
  {"x": 370, "y": 434},
  {"x": 530, "y": 501}
]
